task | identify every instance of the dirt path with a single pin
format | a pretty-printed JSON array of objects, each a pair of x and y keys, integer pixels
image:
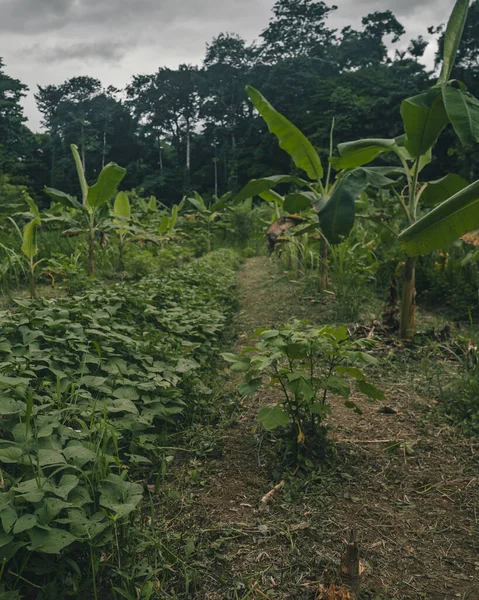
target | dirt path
[{"x": 415, "y": 506}]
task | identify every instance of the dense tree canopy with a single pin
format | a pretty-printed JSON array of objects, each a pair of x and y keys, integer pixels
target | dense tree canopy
[{"x": 192, "y": 127}]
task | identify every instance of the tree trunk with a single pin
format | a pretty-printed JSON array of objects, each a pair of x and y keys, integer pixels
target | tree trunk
[
  {"x": 103, "y": 153},
  {"x": 406, "y": 328},
  {"x": 188, "y": 147},
  {"x": 82, "y": 147},
  {"x": 54, "y": 160},
  {"x": 160, "y": 153},
  {"x": 323, "y": 267}
]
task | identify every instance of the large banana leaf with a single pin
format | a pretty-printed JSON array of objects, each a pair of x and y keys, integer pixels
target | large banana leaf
[
  {"x": 452, "y": 37},
  {"x": 122, "y": 211},
  {"x": 257, "y": 186},
  {"x": 424, "y": 118},
  {"x": 441, "y": 189},
  {"x": 152, "y": 205},
  {"x": 81, "y": 173},
  {"x": 29, "y": 246},
  {"x": 272, "y": 196},
  {"x": 63, "y": 198},
  {"x": 121, "y": 207},
  {"x": 361, "y": 152},
  {"x": 106, "y": 185},
  {"x": 463, "y": 111},
  {"x": 290, "y": 138},
  {"x": 174, "y": 216},
  {"x": 444, "y": 224},
  {"x": 336, "y": 218},
  {"x": 198, "y": 203},
  {"x": 33, "y": 207},
  {"x": 297, "y": 202}
]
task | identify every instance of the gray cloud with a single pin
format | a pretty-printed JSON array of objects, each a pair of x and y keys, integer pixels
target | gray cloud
[
  {"x": 48, "y": 41},
  {"x": 89, "y": 52}
]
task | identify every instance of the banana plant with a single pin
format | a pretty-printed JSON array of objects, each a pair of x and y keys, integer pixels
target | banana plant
[
  {"x": 129, "y": 229},
  {"x": 208, "y": 214},
  {"x": 90, "y": 213},
  {"x": 454, "y": 203},
  {"x": 330, "y": 205},
  {"x": 29, "y": 243},
  {"x": 122, "y": 214}
]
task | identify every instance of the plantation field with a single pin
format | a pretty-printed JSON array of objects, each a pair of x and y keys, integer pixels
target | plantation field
[{"x": 242, "y": 362}]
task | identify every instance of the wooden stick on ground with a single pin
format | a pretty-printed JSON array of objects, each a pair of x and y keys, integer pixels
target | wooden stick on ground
[{"x": 267, "y": 497}]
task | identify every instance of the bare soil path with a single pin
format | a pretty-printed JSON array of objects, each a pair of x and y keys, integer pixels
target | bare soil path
[{"x": 415, "y": 505}]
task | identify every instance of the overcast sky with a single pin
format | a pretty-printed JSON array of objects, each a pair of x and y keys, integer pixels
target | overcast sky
[{"x": 48, "y": 41}]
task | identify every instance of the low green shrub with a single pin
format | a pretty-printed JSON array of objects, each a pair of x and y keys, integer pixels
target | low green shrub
[
  {"x": 305, "y": 365},
  {"x": 89, "y": 389}
]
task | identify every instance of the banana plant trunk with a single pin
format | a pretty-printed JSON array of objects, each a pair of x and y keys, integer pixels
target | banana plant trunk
[
  {"x": 407, "y": 317},
  {"x": 323, "y": 266},
  {"x": 33, "y": 291},
  {"x": 121, "y": 260},
  {"x": 91, "y": 252}
]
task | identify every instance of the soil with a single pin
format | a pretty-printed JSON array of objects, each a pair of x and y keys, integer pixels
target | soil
[{"x": 402, "y": 478}]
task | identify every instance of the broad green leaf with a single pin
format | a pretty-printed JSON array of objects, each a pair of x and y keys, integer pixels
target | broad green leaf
[
  {"x": 80, "y": 172},
  {"x": 447, "y": 222},
  {"x": 122, "y": 405},
  {"x": 424, "y": 118},
  {"x": 371, "y": 391},
  {"x": 198, "y": 203},
  {"x": 33, "y": 207},
  {"x": 9, "y": 406},
  {"x": 351, "y": 372},
  {"x": 376, "y": 176},
  {"x": 248, "y": 388},
  {"x": 174, "y": 216},
  {"x": 452, "y": 38},
  {"x": 238, "y": 364},
  {"x": 152, "y": 206},
  {"x": 441, "y": 189},
  {"x": 274, "y": 417},
  {"x": 62, "y": 198},
  {"x": 24, "y": 523},
  {"x": 29, "y": 245},
  {"x": 463, "y": 111},
  {"x": 10, "y": 455},
  {"x": 50, "y": 457},
  {"x": 297, "y": 202},
  {"x": 272, "y": 196},
  {"x": 128, "y": 392},
  {"x": 49, "y": 541},
  {"x": 256, "y": 187},
  {"x": 8, "y": 517},
  {"x": 336, "y": 218},
  {"x": 121, "y": 207},
  {"x": 290, "y": 138},
  {"x": 119, "y": 496},
  {"x": 164, "y": 225},
  {"x": 106, "y": 186},
  {"x": 78, "y": 453},
  {"x": 361, "y": 152}
]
